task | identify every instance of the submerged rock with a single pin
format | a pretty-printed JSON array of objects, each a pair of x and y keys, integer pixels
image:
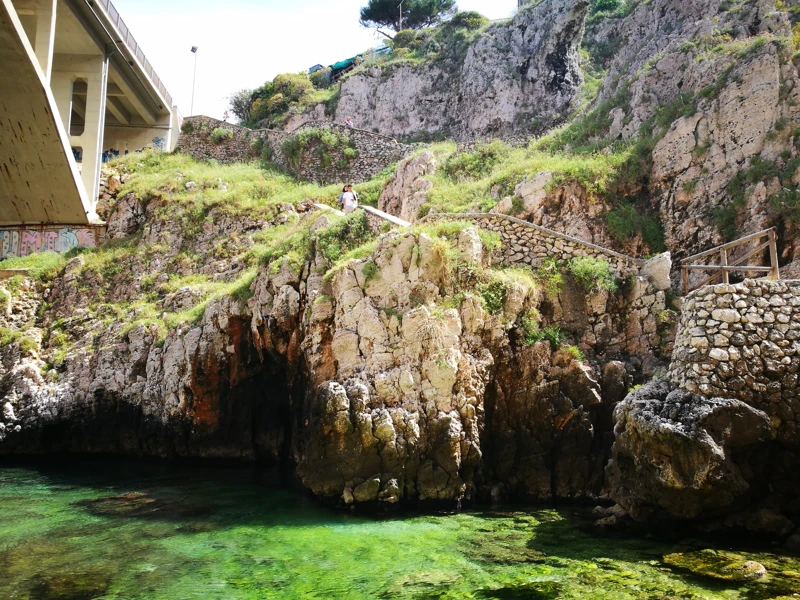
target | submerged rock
[
  {"x": 140, "y": 505},
  {"x": 718, "y": 564},
  {"x": 75, "y": 586}
]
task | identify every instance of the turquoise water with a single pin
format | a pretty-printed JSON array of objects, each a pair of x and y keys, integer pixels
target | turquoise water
[{"x": 127, "y": 531}]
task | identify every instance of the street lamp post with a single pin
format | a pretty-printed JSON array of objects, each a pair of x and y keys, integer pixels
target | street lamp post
[
  {"x": 401, "y": 17},
  {"x": 194, "y": 79}
]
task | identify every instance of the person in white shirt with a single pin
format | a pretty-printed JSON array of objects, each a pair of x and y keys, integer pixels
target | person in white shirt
[{"x": 348, "y": 200}]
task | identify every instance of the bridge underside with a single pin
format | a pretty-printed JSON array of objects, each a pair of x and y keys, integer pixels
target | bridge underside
[
  {"x": 38, "y": 181},
  {"x": 76, "y": 90}
]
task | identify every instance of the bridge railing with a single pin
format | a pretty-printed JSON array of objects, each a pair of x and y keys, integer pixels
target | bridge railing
[{"x": 133, "y": 46}]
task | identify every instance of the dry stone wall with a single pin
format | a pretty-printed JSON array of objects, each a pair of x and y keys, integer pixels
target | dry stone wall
[
  {"x": 743, "y": 342},
  {"x": 195, "y": 139},
  {"x": 373, "y": 152},
  {"x": 528, "y": 244}
]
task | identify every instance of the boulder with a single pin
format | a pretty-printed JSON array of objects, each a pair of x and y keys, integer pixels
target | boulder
[
  {"x": 657, "y": 270},
  {"x": 679, "y": 452}
]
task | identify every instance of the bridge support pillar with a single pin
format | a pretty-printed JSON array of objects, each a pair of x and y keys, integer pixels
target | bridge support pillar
[
  {"x": 80, "y": 86},
  {"x": 92, "y": 138},
  {"x": 45, "y": 35}
]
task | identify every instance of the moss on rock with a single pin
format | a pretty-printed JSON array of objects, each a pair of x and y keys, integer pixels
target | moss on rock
[{"x": 717, "y": 564}]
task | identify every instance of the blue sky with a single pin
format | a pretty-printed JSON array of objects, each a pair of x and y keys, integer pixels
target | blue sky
[{"x": 246, "y": 42}]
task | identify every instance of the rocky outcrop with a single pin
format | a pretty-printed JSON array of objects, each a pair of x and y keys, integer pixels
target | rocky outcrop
[
  {"x": 370, "y": 379},
  {"x": 407, "y": 191},
  {"x": 569, "y": 209},
  {"x": 684, "y": 453},
  {"x": 718, "y": 88},
  {"x": 514, "y": 78},
  {"x": 716, "y": 441}
]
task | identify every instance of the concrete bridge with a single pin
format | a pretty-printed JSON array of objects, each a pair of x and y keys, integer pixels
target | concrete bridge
[{"x": 76, "y": 90}]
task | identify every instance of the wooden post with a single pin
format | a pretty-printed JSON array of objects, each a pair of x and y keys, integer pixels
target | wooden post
[
  {"x": 685, "y": 273},
  {"x": 723, "y": 261},
  {"x": 775, "y": 275}
]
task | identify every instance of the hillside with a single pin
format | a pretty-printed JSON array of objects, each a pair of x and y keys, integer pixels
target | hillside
[{"x": 494, "y": 348}]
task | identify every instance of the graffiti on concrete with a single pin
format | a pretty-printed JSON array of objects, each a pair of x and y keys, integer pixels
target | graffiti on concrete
[
  {"x": 22, "y": 242},
  {"x": 159, "y": 144},
  {"x": 110, "y": 155}
]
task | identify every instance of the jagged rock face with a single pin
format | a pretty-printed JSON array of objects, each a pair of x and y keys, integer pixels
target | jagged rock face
[
  {"x": 199, "y": 393},
  {"x": 431, "y": 404},
  {"x": 700, "y": 155},
  {"x": 403, "y": 418},
  {"x": 658, "y": 30},
  {"x": 407, "y": 190},
  {"x": 513, "y": 79},
  {"x": 745, "y": 90},
  {"x": 684, "y": 453},
  {"x": 368, "y": 380}
]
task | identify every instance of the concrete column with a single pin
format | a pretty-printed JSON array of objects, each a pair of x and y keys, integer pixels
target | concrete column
[
  {"x": 61, "y": 86},
  {"x": 45, "y": 35},
  {"x": 92, "y": 138}
]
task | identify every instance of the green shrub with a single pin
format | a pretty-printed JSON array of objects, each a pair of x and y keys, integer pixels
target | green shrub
[
  {"x": 497, "y": 284},
  {"x": 627, "y": 220},
  {"x": 786, "y": 206},
  {"x": 187, "y": 128},
  {"x": 404, "y": 38},
  {"x": 474, "y": 165},
  {"x": 353, "y": 231},
  {"x": 550, "y": 277},
  {"x": 323, "y": 140},
  {"x": 271, "y": 102},
  {"x": 493, "y": 294},
  {"x": 593, "y": 273},
  {"x": 292, "y": 85},
  {"x": 26, "y": 345},
  {"x": 575, "y": 353},
  {"x": 262, "y": 149},
  {"x": 605, "y": 6},
  {"x": 369, "y": 270},
  {"x": 532, "y": 333},
  {"x": 321, "y": 79},
  {"x": 469, "y": 20},
  {"x": 530, "y": 330},
  {"x": 220, "y": 135}
]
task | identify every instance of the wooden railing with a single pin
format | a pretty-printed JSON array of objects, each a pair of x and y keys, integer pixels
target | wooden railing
[{"x": 725, "y": 268}]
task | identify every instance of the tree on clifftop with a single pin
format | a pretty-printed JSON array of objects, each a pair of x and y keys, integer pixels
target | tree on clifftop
[{"x": 385, "y": 14}]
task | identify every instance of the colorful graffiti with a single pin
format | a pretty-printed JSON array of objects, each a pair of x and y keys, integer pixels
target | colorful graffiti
[
  {"x": 159, "y": 144},
  {"x": 22, "y": 242}
]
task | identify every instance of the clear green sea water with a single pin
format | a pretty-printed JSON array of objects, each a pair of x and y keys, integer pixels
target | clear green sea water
[{"x": 129, "y": 531}]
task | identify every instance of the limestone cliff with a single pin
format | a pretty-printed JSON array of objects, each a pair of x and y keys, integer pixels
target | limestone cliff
[
  {"x": 417, "y": 372},
  {"x": 516, "y": 78},
  {"x": 697, "y": 100}
]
